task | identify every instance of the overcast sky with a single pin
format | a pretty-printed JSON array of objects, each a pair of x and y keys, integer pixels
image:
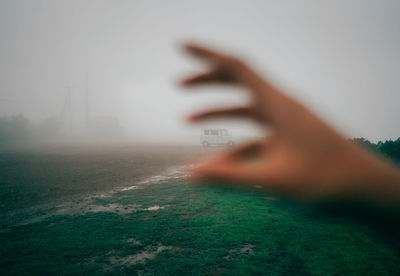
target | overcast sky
[{"x": 341, "y": 58}]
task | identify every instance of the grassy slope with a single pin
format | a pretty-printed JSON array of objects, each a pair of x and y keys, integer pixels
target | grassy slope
[{"x": 208, "y": 230}]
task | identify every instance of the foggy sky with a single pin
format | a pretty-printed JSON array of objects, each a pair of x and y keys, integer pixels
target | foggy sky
[{"x": 341, "y": 58}]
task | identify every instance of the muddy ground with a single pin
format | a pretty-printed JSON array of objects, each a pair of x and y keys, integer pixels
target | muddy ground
[{"x": 47, "y": 176}]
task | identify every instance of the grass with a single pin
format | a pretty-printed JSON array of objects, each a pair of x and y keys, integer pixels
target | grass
[{"x": 202, "y": 230}]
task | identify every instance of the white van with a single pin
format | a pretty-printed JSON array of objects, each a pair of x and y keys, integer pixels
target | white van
[{"x": 213, "y": 136}]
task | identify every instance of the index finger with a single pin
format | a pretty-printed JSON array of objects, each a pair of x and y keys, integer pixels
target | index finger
[
  {"x": 203, "y": 52},
  {"x": 228, "y": 66}
]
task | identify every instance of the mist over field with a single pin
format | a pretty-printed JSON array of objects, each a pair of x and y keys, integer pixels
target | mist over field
[
  {"x": 98, "y": 161},
  {"x": 114, "y": 66}
]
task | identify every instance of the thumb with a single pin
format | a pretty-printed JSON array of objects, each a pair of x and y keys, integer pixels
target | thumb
[{"x": 231, "y": 172}]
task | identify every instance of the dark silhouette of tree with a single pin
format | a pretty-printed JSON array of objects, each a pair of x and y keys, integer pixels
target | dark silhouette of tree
[
  {"x": 365, "y": 143},
  {"x": 389, "y": 148},
  {"x": 17, "y": 130},
  {"x": 14, "y": 129}
]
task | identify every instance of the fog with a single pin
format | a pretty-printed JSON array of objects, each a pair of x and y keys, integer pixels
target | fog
[{"x": 118, "y": 63}]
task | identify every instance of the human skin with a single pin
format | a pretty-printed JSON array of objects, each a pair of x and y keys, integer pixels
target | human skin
[{"x": 304, "y": 158}]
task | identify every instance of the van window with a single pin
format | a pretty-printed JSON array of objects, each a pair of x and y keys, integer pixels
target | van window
[
  {"x": 214, "y": 132},
  {"x": 206, "y": 132}
]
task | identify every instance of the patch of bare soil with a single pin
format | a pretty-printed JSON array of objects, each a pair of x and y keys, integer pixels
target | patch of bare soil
[
  {"x": 113, "y": 260},
  {"x": 89, "y": 204},
  {"x": 148, "y": 253},
  {"x": 133, "y": 241},
  {"x": 37, "y": 183},
  {"x": 236, "y": 253},
  {"x": 45, "y": 176},
  {"x": 114, "y": 208}
]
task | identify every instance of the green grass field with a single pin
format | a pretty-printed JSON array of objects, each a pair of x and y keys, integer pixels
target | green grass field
[{"x": 174, "y": 228}]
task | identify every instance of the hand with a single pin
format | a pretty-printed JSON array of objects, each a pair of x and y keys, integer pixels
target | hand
[{"x": 304, "y": 158}]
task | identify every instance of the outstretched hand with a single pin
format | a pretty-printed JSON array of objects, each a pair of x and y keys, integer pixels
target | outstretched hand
[{"x": 303, "y": 158}]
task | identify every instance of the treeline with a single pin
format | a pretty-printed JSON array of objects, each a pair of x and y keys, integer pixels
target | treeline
[
  {"x": 18, "y": 129},
  {"x": 389, "y": 148}
]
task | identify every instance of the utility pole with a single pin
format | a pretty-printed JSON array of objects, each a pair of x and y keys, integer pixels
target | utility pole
[
  {"x": 67, "y": 111},
  {"x": 87, "y": 101}
]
